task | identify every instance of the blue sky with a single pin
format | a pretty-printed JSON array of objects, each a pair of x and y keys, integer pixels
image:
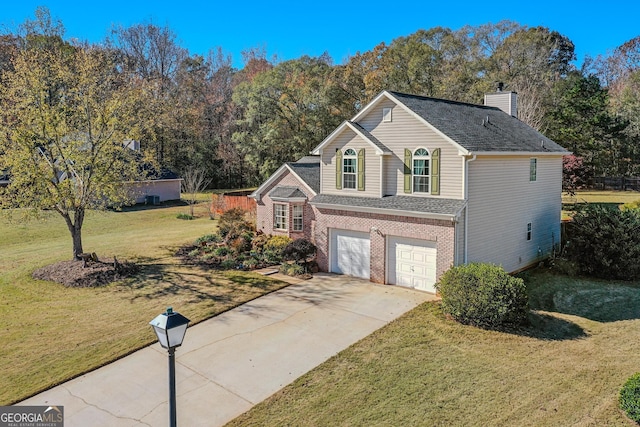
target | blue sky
[{"x": 292, "y": 29}]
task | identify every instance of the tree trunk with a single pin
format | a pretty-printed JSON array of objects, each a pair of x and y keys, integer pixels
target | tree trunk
[
  {"x": 76, "y": 234},
  {"x": 75, "y": 228}
]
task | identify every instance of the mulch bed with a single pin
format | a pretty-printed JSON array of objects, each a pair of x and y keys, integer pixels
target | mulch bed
[{"x": 72, "y": 274}]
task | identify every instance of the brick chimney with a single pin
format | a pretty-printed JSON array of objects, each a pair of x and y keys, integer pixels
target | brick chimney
[{"x": 506, "y": 101}]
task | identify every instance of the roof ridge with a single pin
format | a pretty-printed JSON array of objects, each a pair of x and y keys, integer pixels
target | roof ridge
[{"x": 446, "y": 101}]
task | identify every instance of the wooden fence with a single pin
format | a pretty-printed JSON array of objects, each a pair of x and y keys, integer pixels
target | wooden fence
[
  {"x": 617, "y": 183},
  {"x": 237, "y": 199}
]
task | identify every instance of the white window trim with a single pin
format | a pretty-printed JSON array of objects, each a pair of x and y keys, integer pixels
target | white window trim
[
  {"x": 413, "y": 175},
  {"x": 301, "y": 219},
  {"x": 286, "y": 217},
  {"x": 529, "y": 231},
  {"x": 353, "y": 157}
]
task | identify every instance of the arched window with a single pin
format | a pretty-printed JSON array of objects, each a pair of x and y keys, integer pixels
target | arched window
[
  {"x": 421, "y": 161},
  {"x": 349, "y": 168}
]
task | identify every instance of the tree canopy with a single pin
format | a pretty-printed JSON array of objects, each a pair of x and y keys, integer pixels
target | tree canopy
[
  {"x": 240, "y": 124},
  {"x": 67, "y": 114}
]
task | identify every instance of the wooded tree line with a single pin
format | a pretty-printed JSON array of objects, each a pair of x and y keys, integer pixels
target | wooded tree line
[{"x": 241, "y": 124}]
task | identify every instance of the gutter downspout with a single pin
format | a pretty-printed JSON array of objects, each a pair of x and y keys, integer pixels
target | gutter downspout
[{"x": 466, "y": 213}]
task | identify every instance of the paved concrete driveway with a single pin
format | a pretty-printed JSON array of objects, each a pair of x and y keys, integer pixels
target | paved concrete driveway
[{"x": 234, "y": 361}]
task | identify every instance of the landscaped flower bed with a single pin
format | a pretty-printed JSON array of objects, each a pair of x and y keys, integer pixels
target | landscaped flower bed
[{"x": 237, "y": 245}]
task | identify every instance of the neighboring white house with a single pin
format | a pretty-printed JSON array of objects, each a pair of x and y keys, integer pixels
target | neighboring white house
[
  {"x": 160, "y": 187},
  {"x": 412, "y": 185},
  {"x": 165, "y": 187}
]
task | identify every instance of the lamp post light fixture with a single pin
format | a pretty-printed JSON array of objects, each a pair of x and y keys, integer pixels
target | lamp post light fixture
[{"x": 170, "y": 328}]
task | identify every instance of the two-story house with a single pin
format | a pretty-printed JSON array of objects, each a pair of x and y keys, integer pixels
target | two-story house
[{"x": 412, "y": 185}]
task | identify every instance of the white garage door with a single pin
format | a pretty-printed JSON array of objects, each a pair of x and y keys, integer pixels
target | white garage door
[
  {"x": 350, "y": 253},
  {"x": 412, "y": 263}
]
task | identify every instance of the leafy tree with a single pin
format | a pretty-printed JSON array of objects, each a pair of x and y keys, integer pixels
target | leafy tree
[
  {"x": 530, "y": 61},
  {"x": 152, "y": 54},
  {"x": 67, "y": 112},
  {"x": 582, "y": 123},
  {"x": 575, "y": 174},
  {"x": 287, "y": 111},
  {"x": 603, "y": 242}
]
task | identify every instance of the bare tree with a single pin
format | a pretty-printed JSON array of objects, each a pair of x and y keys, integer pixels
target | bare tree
[{"x": 194, "y": 180}]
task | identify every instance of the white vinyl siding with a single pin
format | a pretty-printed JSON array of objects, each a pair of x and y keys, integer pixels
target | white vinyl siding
[
  {"x": 407, "y": 131},
  {"x": 506, "y": 101},
  {"x": 349, "y": 139},
  {"x": 501, "y": 204}
]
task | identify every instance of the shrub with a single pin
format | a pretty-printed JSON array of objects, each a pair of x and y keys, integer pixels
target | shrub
[
  {"x": 208, "y": 238},
  {"x": 292, "y": 269},
  {"x": 208, "y": 256},
  {"x": 603, "y": 242},
  {"x": 221, "y": 251},
  {"x": 629, "y": 399},
  {"x": 483, "y": 295},
  {"x": 228, "y": 264},
  {"x": 240, "y": 244},
  {"x": 631, "y": 205},
  {"x": 271, "y": 257},
  {"x": 251, "y": 263},
  {"x": 185, "y": 216},
  {"x": 233, "y": 220},
  {"x": 300, "y": 250},
  {"x": 258, "y": 242},
  {"x": 276, "y": 244}
]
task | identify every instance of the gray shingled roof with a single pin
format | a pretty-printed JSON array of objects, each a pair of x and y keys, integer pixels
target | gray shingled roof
[
  {"x": 463, "y": 123},
  {"x": 286, "y": 192},
  {"x": 395, "y": 203},
  {"x": 308, "y": 169},
  {"x": 371, "y": 138}
]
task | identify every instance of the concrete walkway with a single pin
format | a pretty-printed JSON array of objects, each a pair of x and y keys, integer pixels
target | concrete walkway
[{"x": 233, "y": 361}]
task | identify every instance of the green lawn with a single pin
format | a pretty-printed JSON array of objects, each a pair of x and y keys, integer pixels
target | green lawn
[
  {"x": 596, "y": 196},
  {"x": 601, "y": 196},
  {"x": 50, "y": 333},
  {"x": 426, "y": 370}
]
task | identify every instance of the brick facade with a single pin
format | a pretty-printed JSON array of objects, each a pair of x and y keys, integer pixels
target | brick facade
[
  {"x": 264, "y": 210},
  {"x": 380, "y": 227},
  {"x": 318, "y": 222}
]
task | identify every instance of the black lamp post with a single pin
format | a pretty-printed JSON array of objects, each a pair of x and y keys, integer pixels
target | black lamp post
[{"x": 170, "y": 328}]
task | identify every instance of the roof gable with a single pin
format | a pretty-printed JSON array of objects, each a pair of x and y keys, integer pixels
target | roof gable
[
  {"x": 380, "y": 148},
  {"x": 306, "y": 170}
]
